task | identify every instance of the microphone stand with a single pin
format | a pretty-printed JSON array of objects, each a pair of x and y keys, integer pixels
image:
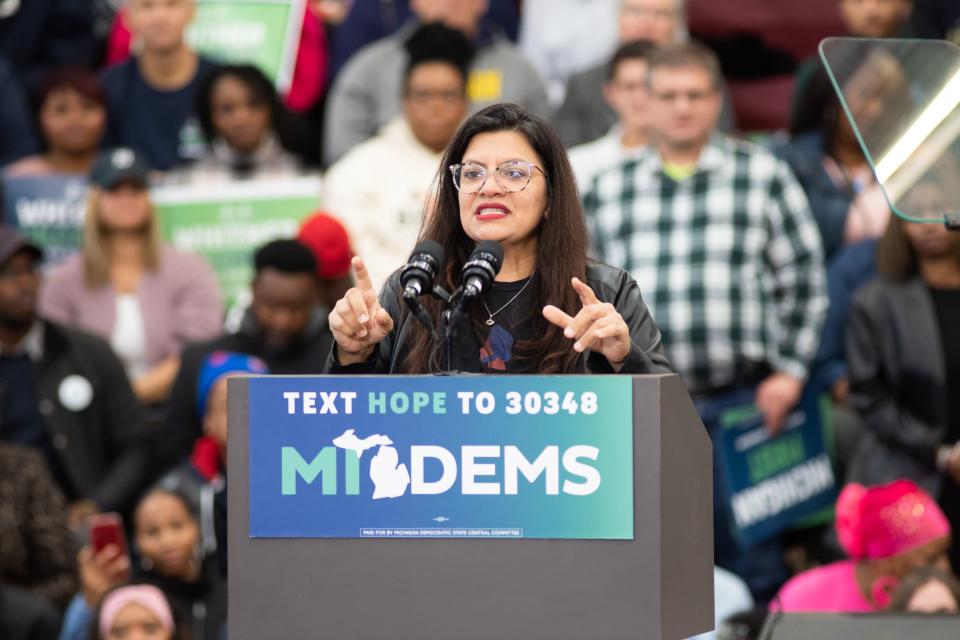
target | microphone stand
[
  {"x": 479, "y": 271},
  {"x": 410, "y": 298},
  {"x": 446, "y": 328}
]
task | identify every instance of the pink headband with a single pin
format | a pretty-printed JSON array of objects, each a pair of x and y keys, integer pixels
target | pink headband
[
  {"x": 145, "y": 595},
  {"x": 884, "y": 521}
]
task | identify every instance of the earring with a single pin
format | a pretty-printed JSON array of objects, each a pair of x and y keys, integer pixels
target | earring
[
  {"x": 881, "y": 591},
  {"x": 146, "y": 563}
]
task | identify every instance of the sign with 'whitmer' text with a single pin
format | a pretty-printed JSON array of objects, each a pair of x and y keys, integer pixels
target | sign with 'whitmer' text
[{"x": 441, "y": 457}]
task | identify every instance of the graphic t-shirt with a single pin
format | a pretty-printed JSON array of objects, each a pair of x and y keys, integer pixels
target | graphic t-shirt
[{"x": 513, "y": 323}]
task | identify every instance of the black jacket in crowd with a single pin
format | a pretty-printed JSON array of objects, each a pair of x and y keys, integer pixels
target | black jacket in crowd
[
  {"x": 104, "y": 449},
  {"x": 897, "y": 383}
]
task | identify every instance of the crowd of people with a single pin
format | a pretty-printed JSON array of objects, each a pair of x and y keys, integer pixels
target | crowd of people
[{"x": 642, "y": 233}]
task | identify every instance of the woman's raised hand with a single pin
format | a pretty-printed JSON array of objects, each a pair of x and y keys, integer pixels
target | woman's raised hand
[
  {"x": 598, "y": 326},
  {"x": 358, "y": 322}
]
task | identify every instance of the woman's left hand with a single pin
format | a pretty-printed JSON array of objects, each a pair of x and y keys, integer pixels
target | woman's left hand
[{"x": 598, "y": 326}]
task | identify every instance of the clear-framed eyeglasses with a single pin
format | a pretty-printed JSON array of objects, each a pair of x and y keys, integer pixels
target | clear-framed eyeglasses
[{"x": 512, "y": 176}]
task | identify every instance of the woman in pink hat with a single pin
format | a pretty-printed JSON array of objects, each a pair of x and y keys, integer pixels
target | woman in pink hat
[{"x": 887, "y": 531}]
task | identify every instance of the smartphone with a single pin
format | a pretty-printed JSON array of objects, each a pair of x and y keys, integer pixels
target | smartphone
[{"x": 106, "y": 529}]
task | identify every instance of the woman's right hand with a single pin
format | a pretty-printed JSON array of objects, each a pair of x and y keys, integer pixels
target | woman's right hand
[
  {"x": 358, "y": 322},
  {"x": 100, "y": 572}
]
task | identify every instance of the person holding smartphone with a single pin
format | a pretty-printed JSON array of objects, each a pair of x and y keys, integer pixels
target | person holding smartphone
[{"x": 167, "y": 538}]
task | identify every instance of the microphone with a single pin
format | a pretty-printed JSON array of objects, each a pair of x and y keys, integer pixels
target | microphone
[
  {"x": 423, "y": 265},
  {"x": 477, "y": 275},
  {"x": 417, "y": 277},
  {"x": 481, "y": 268}
]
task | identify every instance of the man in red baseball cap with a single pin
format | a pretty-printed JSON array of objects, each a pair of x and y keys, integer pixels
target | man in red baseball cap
[{"x": 330, "y": 244}]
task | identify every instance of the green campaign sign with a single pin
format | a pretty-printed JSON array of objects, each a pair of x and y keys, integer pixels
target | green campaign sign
[
  {"x": 226, "y": 223},
  {"x": 262, "y": 32}
]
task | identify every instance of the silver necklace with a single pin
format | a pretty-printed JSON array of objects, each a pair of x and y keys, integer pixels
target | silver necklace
[{"x": 490, "y": 321}]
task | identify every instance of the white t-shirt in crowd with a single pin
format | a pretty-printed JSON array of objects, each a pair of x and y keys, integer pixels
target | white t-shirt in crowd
[{"x": 129, "y": 338}]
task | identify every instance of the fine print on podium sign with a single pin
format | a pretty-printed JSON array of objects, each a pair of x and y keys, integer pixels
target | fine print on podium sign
[{"x": 441, "y": 457}]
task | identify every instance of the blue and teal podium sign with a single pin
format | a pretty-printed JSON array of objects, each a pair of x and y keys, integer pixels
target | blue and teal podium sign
[{"x": 441, "y": 457}]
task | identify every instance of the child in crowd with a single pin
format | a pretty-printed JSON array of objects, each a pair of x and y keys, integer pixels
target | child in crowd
[
  {"x": 72, "y": 117},
  {"x": 203, "y": 476},
  {"x": 167, "y": 534},
  {"x": 141, "y": 612},
  {"x": 167, "y": 539}
]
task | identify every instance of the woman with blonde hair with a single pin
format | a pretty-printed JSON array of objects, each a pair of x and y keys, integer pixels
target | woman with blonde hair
[{"x": 145, "y": 297}]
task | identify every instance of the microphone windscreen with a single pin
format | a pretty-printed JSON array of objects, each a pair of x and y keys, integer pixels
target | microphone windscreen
[
  {"x": 432, "y": 248},
  {"x": 494, "y": 249}
]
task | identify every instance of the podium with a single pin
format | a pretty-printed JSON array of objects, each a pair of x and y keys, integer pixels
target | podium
[
  {"x": 659, "y": 584},
  {"x": 876, "y": 626}
]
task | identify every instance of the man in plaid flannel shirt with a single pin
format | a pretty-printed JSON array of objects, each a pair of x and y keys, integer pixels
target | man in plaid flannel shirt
[{"x": 720, "y": 238}]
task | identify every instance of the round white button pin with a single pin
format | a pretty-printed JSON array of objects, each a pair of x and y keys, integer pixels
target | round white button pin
[{"x": 75, "y": 393}]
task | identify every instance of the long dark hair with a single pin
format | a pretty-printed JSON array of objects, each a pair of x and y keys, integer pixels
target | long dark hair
[
  {"x": 259, "y": 85},
  {"x": 561, "y": 244},
  {"x": 818, "y": 109}
]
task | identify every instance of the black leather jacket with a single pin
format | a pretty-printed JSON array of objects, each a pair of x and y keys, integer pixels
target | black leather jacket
[
  {"x": 898, "y": 383},
  {"x": 608, "y": 283}
]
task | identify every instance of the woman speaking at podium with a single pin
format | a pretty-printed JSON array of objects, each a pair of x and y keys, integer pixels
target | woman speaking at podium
[{"x": 505, "y": 177}]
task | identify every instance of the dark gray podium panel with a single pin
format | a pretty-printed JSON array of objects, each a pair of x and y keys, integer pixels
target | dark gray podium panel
[
  {"x": 659, "y": 585},
  {"x": 874, "y": 626}
]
